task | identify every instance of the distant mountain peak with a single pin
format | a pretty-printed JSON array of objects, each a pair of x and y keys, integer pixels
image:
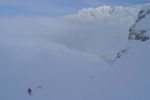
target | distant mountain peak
[{"x": 105, "y": 11}]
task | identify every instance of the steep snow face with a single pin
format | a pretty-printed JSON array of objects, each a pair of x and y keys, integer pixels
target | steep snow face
[
  {"x": 133, "y": 72},
  {"x": 140, "y": 30},
  {"x": 101, "y": 31}
]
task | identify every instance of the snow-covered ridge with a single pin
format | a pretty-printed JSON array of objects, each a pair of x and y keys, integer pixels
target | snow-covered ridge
[
  {"x": 106, "y": 12},
  {"x": 92, "y": 27},
  {"x": 140, "y": 29},
  {"x": 106, "y": 17}
]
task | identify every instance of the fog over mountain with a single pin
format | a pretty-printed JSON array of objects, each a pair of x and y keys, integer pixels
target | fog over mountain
[{"x": 95, "y": 54}]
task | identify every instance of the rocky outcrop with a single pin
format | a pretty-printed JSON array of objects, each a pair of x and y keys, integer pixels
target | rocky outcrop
[{"x": 140, "y": 33}]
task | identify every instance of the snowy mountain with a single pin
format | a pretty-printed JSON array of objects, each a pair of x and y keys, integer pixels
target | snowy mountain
[
  {"x": 106, "y": 12},
  {"x": 100, "y": 31},
  {"x": 140, "y": 29},
  {"x": 70, "y": 58}
]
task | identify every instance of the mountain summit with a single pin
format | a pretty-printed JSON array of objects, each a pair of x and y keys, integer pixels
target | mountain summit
[{"x": 105, "y": 12}]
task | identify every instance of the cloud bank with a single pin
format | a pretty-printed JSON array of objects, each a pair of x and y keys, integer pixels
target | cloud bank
[{"x": 100, "y": 31}]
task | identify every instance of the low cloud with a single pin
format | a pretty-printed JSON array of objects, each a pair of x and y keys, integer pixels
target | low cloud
[{"x": 85, "y": 32}]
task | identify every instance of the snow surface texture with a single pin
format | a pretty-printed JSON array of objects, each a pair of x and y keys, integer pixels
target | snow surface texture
[{"x": 68, "y": 58}]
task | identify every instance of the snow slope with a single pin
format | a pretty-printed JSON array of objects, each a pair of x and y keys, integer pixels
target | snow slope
[
  {"x": 100, "y": 31},
  {"x": 140, "y": 28},
  {"x": 68, "y": 58}
]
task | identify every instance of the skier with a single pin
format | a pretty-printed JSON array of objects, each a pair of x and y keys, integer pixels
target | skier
[{"x": 29, "y": 91}]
